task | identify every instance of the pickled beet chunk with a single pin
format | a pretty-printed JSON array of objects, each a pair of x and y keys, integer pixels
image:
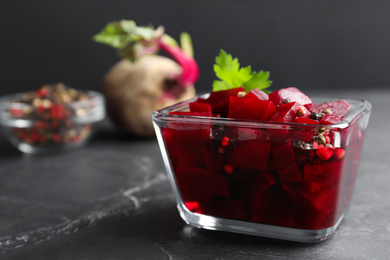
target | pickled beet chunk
[
  {"x": 290, "y": 94},
  {"x": 197, "y": 184},
  {"x": 191, "y": 135},
  {"x": 306, "y": 133},
  {"x": 314, "y": 219},
  {"x": 258, "y": 94},
  {"x": 305, "y": 120},
  {"x": 250, "y": 108},
  {"x": 330, "y": 119},
  {"x": 324, "y": 200},
  {"x": 200, "y": 107},
  {"x": 184, "y": 154},
  {"x": 311, "y": 171},
  {"x": 215, "y": 161},
  {"x": 182, "y": 131},
  {"x": 286, "y": 165},
  {"x": 249, "y": 155},
  {"x": 264, "y": 181},
  {"x": 274, "y": 209},
  {"x": 287, "y": 113},
  {"x": 219, "y": 100},
  {"x": 338, "y": 108},
  {"x": 183, "y": 125}
]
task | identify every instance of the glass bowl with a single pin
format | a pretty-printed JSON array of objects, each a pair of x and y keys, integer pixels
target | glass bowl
[
  {"x": 259, "y": 177},
  {"x": 42, "y": 129}
]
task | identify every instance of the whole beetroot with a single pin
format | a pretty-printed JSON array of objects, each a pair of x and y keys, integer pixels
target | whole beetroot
[{"x": 143, "y": 81}]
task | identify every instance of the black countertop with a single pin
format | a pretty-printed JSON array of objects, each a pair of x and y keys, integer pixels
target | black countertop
[{"x": 112, "y": 200}]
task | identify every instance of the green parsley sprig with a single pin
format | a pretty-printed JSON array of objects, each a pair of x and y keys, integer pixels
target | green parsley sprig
[{"x": 231, "y": 75}]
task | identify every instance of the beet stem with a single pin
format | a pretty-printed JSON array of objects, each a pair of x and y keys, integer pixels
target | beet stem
[{"x": 190, "y": 68}]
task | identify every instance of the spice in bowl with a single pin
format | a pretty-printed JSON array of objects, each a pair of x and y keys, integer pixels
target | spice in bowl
[{"x": 53, "y": 116}]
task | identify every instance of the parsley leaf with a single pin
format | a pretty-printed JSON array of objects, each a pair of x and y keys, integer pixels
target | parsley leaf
[
  {"x": 231, "y": 75},
  {"x": 219, "y": 85},
  {"x": 259, "y": 80},
  {"x": 228, "y": 70}
]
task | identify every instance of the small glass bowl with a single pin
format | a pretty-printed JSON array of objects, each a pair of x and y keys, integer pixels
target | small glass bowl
[
  {"x": 58, "y": 127},
  {"x": 259, "y": 177}
]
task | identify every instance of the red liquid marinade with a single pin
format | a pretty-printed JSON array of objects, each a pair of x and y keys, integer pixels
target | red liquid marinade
[{"x": 263, "y": 175}]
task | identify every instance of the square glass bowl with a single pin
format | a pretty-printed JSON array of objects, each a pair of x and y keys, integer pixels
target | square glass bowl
[
  {"x": 58, "y": 127},
  {"x": 259, "y": 177}
]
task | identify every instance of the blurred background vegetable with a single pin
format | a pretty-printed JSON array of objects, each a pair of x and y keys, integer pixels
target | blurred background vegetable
[{"x": 143, "y": 81}]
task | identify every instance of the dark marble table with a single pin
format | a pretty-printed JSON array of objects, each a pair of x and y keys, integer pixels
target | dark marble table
[{"x": 112, "y": 200}]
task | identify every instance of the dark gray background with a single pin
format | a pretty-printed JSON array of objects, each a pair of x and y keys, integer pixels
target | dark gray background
[{"x": 303, "y": 43}]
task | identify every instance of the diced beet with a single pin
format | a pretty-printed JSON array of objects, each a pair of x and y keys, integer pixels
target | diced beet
[
  {"x": 324, "y": 199},
  {"x": 264, "y": 181},
  {"x": 291, "y": 93},
  {"x": 244, "y": 108},
  {"x": 287, "y": 112},
  {"x": 185, "y": 151},
  {"x": 304, "y": 133},
  {"x": 311, "y": 171},
  {"x": 179, "y": 131},
  {"x": 330, "y": 119},
  {"x": 279, "y": 135},
  {"x": 243, "y": 133},
  {"x": 195, "y": 183},
  {"x": 332, "y": 172},
  {"x": 186, "y": 154},
  {"x": 311, "y": 186},
  {"x": 268, "y": 109},
  {"x": 259, "y": 198},
  {"x": 250, "y": 156},
  {"x": 200, "y": 107},
  {"x": 279, "y": 212},
  {"x": 197, "y": 133},
  {"x": 338, "y": 108},
  {"x": 304, "y": 120},
  {"x": 181, "y": 124},
  {"x": 250, "y": 108},
  {"x": 215, "y": 161},
  {"x": 219, "y": 100},
  {"x": 257, "y": 93},
  {"x": 314, "y": 219},
  {"x": 309, "y": 107},
  {"x": 285, "y": 163}
]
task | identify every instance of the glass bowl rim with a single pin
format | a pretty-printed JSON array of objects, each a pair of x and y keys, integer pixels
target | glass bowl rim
[{"x": 162, "y": 114}]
